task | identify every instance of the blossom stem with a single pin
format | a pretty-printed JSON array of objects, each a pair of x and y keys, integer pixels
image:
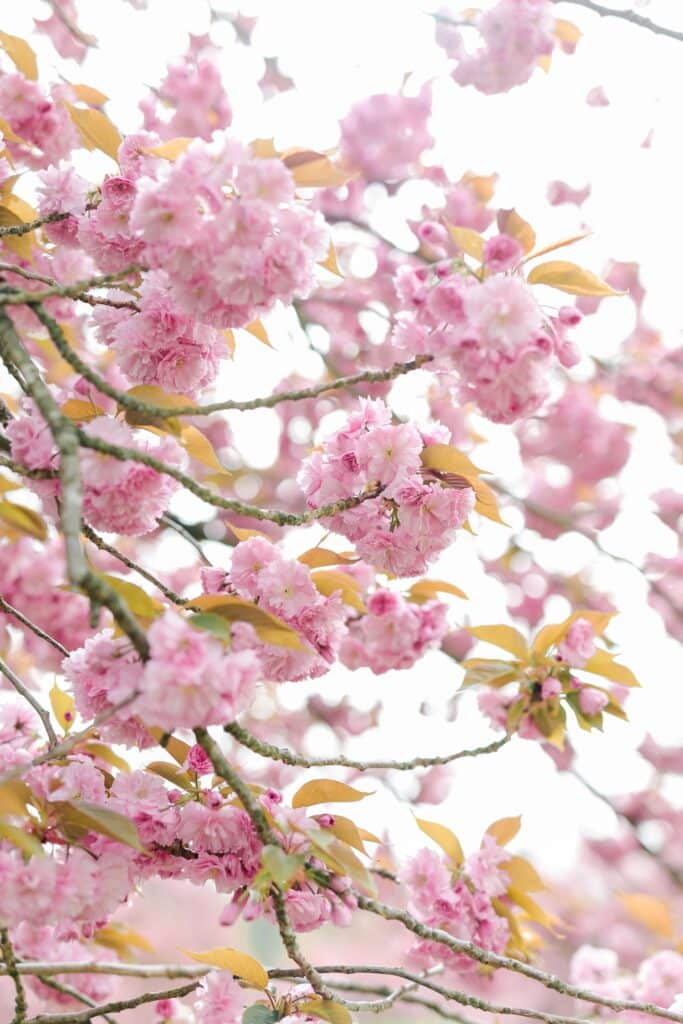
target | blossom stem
[{"x": 24, "y": 692}]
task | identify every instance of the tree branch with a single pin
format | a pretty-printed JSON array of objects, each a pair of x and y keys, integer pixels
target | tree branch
[
  {"x": 630, "y": 16},
  {"x": 288, "y": 757},
  {"x": 8, "y": 609},
  {"x": 66, "y": 439},
  {"x": 10, "y": 965},
  {"x": 24, "y": 692},
  {"x": 82, "y": 1016}
]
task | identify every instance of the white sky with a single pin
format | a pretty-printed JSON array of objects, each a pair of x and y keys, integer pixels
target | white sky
[{"x": 540, "y": 132}]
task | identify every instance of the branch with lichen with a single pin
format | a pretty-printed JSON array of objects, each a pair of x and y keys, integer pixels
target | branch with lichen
[
  {"x": 82, "y": 1016},
  {"x": 286, "y": 756},
  {"x": 9, "y": 961},
  {"x": 66, "y": 438}
]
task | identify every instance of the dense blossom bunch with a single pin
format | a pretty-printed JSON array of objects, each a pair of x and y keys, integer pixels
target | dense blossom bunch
[
  {"x": 382, "y": 155},
  {"x": 228, "y": 232},
  {"x": 492, "y": 333},
  {"x": 44, "y": 133},
  {"x": 412, "y": 519},
  {"x": 394, "y": 633},
  {"x": 514, "y": 35},
  {"x": 459, "y": 901},
  {"x": 284, "y": 587},
  {"x": 118, "y": 496},
  {"x": 192, "y": 90},
  {"x": 161, "y": 344}
]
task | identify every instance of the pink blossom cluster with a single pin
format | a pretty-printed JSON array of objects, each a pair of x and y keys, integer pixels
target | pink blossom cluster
[
  {"x": 514, "y": 34},
  {"x": 658, "y": 979},
  {"x": 32, "y": 580},
  {"x": 226, "y": 228},
  {"x": 384, "y": 136},
  {"x": 190, "y": 678},
  {"x": 413, "y": 518},
  {"x": 193, "y": 93},
  {"x": 161, "y": 345},
  {"x": 530, "y": 706},
  {"x": 39, "y": 119},
  {"x": 61, "y": 887},
  {"x": 459, "y": 901},
  {"x": 492, "y": 333},
  {"x": 119, "y": 496},
  {"x": 394, "y": 633},
  {"x": 57, "y": 28},
  {"x": 20, "y": 734},
  {"x": 284, "y": 587},
  {"x": 575, "y": 433}
]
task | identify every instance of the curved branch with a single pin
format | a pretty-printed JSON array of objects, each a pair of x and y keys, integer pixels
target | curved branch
[
  {"x": 24, "y": 692},
  {"x": 298, "y": 760},
  {"x": 630, "y": 16},
  {"x": 9, "y": 609},
  {"x": 127, "y": 401},
  {"x": 82, "y": 1016}
]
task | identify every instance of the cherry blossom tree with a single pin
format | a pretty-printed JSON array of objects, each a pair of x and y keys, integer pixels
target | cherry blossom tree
[{"x": 163, "y": 596}]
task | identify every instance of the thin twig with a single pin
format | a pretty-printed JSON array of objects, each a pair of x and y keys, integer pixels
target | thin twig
[
  {"x": 630, "y": 16},
  {"x": 288, "y": 757},
  {"x": 9, "y": 609},
  {"x": 10, "y": 965},
  {"x": 82, "y": 1016},
  {"x": 24, "y": 692},
  {"x": 130, "y": 564},
  {"x": 69, "y": 990}
]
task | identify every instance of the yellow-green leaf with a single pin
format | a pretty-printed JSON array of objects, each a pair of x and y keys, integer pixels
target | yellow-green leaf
[
  {"x": 244, "y": 534},
  {"x": 505, "y": 637},
  {"x": 314, "y": 170},
  {"x": 603, "y": 664},
  {"x": 170, "y": 150},
  {"x": 532, "y": 909},
  {"x": 270, "y": 629},
  {"x": 23, "y": 519},
  {"x": 94, "y": 818},
  {"x": 330, "y": 262},
  {"x": 346, "y": 830},
  {"x": 121, "y": 938},
  {"x": 200, "y": 448},
  {"x": 325, "y": 1009},
  {"x": 26, "y": 842},
  {"x": 81, "y": 411},
  {"x": 340, "y": 858},
  {"x": 448, "y": 459},
  {"x": 468, "y": 240},
  {"x": 557, "y": 245},
  {"x": 570, "y": 278},
  {"x": 173, "y": 773},
  {"x": 550, "y": 635},
  {"x": 523, "y": 875},
  {"x": 63, "y": 707},
  {"x": 510, "y": 223},
  {"x": 331, "y": 581},
  {"x": 240, "y": 964},
  {"x": 102, "y": 752},
  {"x": 504, "y": 829},
  {"x": 86, "y": 93},
  {"x": 178, "y": 749},
  {"x": 488, "y": 672},
  {"x": 426, "y": 590},
  {"x": 649, "y": 911},
  {"x": 14, "y": 796},
  {"x": 443, "y": 837},
  {"x": 97, "y": 131},
  {"x": 157, "y": 396},
  {"x": 567, "y": 32},
  {"x": 257, "y": 330},
  {"x": 315, "y": 558},
  {"x": 137, "y": 599},
  {"x": 326, "y": 791},
  {"x": 21, "y": 55},
  {"x": 453, "y": 469}
]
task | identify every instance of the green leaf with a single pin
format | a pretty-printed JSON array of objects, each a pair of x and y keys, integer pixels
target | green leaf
[
  {"x": 27, "y": 843},
  {"x": 82, "y": 814},
  {"x": 259, "y": 1013},
  {"x": 173, "y": 773},
  {"x": 488, "y": 672},
  {"x": 270, "y": 629},
  {"x": 212, "y": 623},
  {"x": 137, "y": 599},
  {"x": 280, "y": 866},
  {"x": 23, "y": 519}
]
